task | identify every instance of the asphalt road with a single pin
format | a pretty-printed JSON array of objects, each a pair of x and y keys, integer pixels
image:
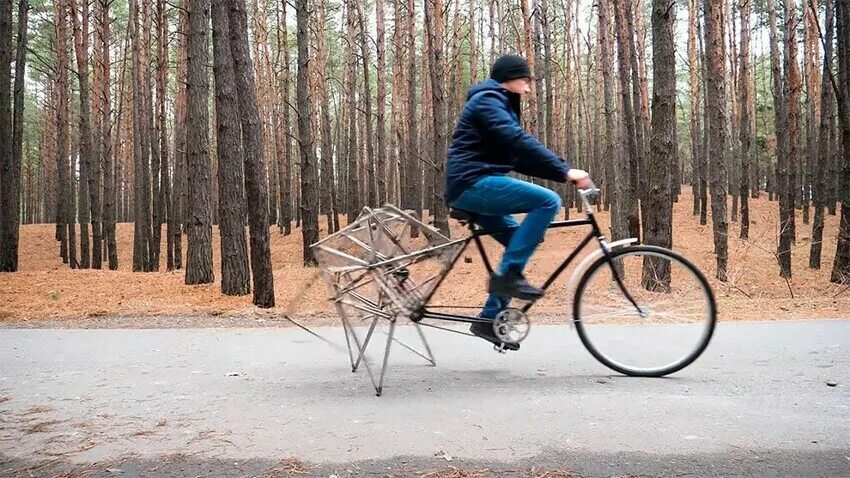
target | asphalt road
[{"x": 765, "y": 399}]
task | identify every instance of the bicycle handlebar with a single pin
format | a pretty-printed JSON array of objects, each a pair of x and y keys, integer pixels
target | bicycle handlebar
[{"x": 586, "y": 194}]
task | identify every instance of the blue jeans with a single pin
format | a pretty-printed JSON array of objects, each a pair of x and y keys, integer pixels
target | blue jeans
[{"x": 494, "y": 199}]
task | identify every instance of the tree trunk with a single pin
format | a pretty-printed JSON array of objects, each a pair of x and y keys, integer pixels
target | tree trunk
[
  {"x": 658, "y": 219},
  {"x": 733, "y": 150},
  {"x": 105, "y": 146},
  {"x": 841, "y": 264},
  {"x": 641, "y": 108},
  {"x": 824, "y": 140},
  {"x": 162, "y": 204},
  {"x": 528, "y": 51},
  {"x": 547, "y": 72},
  {"x": 716, "y": 106},
  {"x": 369, "y": 163},
  {"x": 473, "y": 41},
  {"x": 66, "y": 206},
  {"x": 150, "y": 142},
  {"x": 811, "y": 54},
  {"x": 265, "y": 101},
  {"x": 703, "y": 166},
  {"x": 352, "y": 183},
  {"x": 89, "y": 169},
  {"x": 141, "y": 251},
  {"x": 284, "y": 140},
  {"x": 434, "y": 26},
  {"x": 252, "y": 142},
  {"x": 87, "y": 196},
  {"x": 179, "y": 201},
  {"x": 790, "y": 127},
  {"x": 745, "y": 104},
  {"x": 398, "y": 138},
  {"x": 11, "y": 144},
  {"x": 606, "y": 64},
  {"x": 381, "y": 159},
  {"x": 231, "y": 178},
  {"x": 327, "y": 179},
  {"x": 413, "y": 170},
  {"x": 696, "y": 141},
  {"x": 625, "y": 201},
  {"x": 9, "y": 190},
  {"x": 540, "y": 66},
  {"x": 199, "y": 268},
  {"x": 309, "y": 211}
]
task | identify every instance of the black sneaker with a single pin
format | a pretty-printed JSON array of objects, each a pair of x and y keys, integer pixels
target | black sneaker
[
  {"x": 513, "y": 284},
  {"x": 485, "y": 331}
]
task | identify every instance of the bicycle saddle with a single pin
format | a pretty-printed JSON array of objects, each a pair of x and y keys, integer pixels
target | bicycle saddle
[{"x": 461, "y": 215}]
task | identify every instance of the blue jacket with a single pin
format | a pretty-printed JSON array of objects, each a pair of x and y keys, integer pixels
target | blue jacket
[{"x": 489, "y": 140}]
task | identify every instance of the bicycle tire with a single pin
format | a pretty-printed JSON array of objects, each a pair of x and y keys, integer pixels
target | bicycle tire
[{"x": 624, "y": 369}]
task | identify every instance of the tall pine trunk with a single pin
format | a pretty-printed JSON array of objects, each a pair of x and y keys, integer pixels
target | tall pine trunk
[
  {"x": 284, "y": 143},
  {"x": 141, "y": 229},
  {"x": 199, "y": 267},
  {"x": 697, "y": 174},
  {"x": 380, "y": 107},
  {"x": 606, "y": 64},
  {"x": 107, "y": 158},
  {"x": 745, "y": 104},
  {"x": 369, "y": 163},
  {"x": 66, "y": 206},
  {"x": 9, "y": 190},
  {"x": 231, "y": 178},
  {"x": 790, "y": 126},
  {"x": 12, "y": 142},
  {"x": 625, "y": 222},
  {"x": 825, "y": 139},
  {"x": 352, "y": 181},
  {"x": 434, "y": 26},
  {"x": 716, "y": 106},
  {"x": 309, "y": 213},
  {"x": 179, "y": 202},
  {"x": 252, "y": 143},
  {"x": 841, "y": 264},
  {"x": 658, "y": 219},
  {"x": 328, "y": 183},
  {"x": 413, "y": 171}
]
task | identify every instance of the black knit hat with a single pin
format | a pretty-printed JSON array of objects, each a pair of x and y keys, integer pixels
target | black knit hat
[{"x": 509, "y": 67}]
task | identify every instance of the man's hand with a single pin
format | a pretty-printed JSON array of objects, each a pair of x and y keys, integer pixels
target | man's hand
[{"x": 580, "y": 178}]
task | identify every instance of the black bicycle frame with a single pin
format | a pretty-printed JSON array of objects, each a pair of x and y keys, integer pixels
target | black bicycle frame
[{"x": 477, "y": 234}]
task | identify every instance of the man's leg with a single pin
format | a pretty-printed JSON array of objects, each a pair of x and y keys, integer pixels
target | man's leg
[
  {"x": 502, "y": 195},
  {"x": 508, "y": 224}
]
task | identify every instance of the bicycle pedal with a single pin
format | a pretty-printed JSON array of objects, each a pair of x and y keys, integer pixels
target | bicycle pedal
[{"x": 504, "y": 347}]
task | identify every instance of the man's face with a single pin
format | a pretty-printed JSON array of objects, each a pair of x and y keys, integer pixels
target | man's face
[{"x": 520, "y": 86}]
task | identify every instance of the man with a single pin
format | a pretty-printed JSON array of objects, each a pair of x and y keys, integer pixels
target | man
[{"x": 489, "y": 143}]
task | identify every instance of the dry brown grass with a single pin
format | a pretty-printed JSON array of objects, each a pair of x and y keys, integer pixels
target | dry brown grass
[
  {"x": 40, "y": 427},
  {"x": 45, "y": 288},
  {"x": 288, "y": 467},
  {"x": 454, "y": 472}
]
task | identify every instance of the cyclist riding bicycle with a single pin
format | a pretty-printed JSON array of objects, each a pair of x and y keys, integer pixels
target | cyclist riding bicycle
[{"x": 489, "y": 143}]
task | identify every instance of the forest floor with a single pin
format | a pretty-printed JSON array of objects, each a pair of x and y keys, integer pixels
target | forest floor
[{"x": 46, "y": 292}]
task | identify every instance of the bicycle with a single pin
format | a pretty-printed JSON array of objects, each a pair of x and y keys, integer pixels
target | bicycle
[{"x": 618, "y": 288}]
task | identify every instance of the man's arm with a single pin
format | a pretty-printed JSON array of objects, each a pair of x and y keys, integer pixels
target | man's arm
[{"x": 534, "y": 159}]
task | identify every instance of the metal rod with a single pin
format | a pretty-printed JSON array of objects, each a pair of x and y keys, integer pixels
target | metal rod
[
  {"x": 365, "y": 343},
  {"x": 425, "y": 343},
  {"x": 380, "y": 387}
]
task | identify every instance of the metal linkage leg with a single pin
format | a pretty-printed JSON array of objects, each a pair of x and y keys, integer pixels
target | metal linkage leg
[
  {"x": 365, "y": 344},
  {"x": 380, "y": 388}
]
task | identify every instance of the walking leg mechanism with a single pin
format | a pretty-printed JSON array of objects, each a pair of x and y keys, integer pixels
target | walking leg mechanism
[{"x": 380, "y": 270}]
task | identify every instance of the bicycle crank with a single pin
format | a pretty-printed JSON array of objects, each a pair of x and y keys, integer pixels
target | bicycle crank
[{"x": 511, "y": 326}]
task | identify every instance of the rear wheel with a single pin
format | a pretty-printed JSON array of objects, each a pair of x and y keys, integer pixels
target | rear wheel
[{"x": 648, "y": 312}]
